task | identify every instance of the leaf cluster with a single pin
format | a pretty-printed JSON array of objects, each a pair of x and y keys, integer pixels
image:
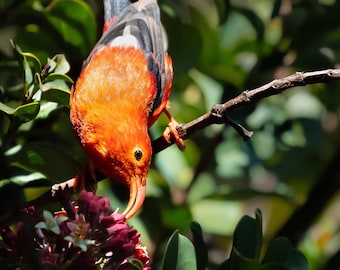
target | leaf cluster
[
  {"x": 182, "y": 254},
  {"x": 219, "y": 49}
]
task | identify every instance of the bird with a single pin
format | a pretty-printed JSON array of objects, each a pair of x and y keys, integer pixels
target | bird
[{"x": 122, "y": 89}]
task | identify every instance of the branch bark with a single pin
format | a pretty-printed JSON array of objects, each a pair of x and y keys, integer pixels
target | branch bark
[{"x": 219, "y": 113}]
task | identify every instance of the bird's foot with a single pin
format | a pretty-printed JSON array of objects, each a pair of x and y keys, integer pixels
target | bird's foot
[{"x": 171, "y": 132}]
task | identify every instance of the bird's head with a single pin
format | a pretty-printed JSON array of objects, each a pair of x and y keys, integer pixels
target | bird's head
[{"x": 123, "y": 153}]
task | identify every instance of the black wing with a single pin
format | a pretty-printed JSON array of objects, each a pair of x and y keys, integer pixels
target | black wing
[{"x": 142, "y": 19}]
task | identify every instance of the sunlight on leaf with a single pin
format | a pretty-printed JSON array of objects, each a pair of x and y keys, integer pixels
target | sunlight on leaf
[
  {"x": 62, "y": 65},
  {"x": 6, "y": 109},
  {"x": 24, "y": 180}
]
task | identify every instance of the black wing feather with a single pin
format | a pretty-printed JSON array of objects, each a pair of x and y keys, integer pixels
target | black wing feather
[{"x": 143, "y": 19}]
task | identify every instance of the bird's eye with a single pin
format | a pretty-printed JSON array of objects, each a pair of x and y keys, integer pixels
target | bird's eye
[{"x": 138, "y": 154}]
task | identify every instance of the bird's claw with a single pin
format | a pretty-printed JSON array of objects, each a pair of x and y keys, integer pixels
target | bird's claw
[{"x": 172, "y": 131}]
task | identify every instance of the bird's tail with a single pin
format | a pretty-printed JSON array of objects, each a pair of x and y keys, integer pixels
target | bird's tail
[{"x": 112, "y": 8}]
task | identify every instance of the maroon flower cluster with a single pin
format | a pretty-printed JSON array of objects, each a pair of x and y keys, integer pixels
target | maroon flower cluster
[{"x": 85, "y": 235}]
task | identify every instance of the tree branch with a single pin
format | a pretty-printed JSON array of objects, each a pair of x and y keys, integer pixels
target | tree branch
[{"x": 219, "y": 113}]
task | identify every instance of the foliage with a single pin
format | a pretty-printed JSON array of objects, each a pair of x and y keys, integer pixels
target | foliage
[
  {"x": 245, "y": 254},
  {"x": 219, "y": 49}
]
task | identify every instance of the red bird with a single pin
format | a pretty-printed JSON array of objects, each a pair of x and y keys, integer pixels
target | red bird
[{"x": 123, "y": 87}]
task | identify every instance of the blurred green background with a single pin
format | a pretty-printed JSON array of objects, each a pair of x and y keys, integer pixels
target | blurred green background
[{"x": 219, "y": 48}]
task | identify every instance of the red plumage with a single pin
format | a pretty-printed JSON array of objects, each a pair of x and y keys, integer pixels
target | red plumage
[{"x": 123, "y": 88}]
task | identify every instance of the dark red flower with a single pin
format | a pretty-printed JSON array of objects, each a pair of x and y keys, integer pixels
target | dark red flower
[{"x": 86, "y": 236}]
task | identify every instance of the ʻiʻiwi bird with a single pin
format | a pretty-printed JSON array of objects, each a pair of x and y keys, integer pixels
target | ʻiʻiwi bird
[{"x": 123, "y": 87}]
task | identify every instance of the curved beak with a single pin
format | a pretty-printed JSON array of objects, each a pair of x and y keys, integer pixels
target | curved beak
[{"x": 137, "y": 196}]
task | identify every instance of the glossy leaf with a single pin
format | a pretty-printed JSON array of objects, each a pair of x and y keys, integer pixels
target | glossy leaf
[
  {"x": 35, "y": 157},
  {"x": 179, "y": 254},
  {"x": 282, "y": 252},
  {"x": 6, "y": 109},
  {"x": 25, "y": 180},
  {"x": 61, "y": 96},
  {"x": 135, "y": 264},
  {"x": 58, "y": 76},
  {"x": 200, "y": 247},
  {"x": 34, "y": 59},
  {"x": 240, "y": 262},
  {"x": 247, "y": 240},
  {"x": 62, "y": 16},
  {"x": 25, "y": 113},
  {"x": 61, "y": 65},
  {"x": 24, "y": 59}
]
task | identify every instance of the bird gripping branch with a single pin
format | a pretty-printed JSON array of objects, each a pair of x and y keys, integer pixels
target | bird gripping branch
[{"x": 123, "y": 87}]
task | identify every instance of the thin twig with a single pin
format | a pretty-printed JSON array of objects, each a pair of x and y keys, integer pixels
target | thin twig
[{"x": 219, "y": 113}]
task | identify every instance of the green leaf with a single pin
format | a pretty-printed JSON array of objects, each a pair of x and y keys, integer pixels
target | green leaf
[
  {"x": 62, "y": 65},
  {"x": 179, "y": 254},
  {"x": 248, "y": 236},
  {"x": 186, "y": 56},
  {"x": 55, "y": 229},
  {"x": 28, "y": 180},
  {"x": 211, "y": 89},
  {"x": 6, "y": 109},
  {"x": 50, "y": 66},
  {"x": 33, "y": 59},
  {"x": 69, "y": 238},
  {"x": 49, "y": 224},
  {"x": 239, "y": 262},
  {"x": 23, "y": 58},
  {"x": 49, "y": 159},
  {"x": 48, "y": 215},
  {"x": 41, "y": 225},
  {"x": 209, "y": 39},
  {"x": 200, "y": 247},
  {"x": 58, "y": 76},
  {"x": 274, "y": 266},
  {"x": 27, "y": 112},
  {"x": 28, "y": 74},
  {"x": 135, "y": 264},
  {"x": 77, "y": 28},
  {"x": 25, "y": 180},
  {"x": 223, "y": 8},
  {"x": 254, "y": 20},
  {"x": 281, "y": 251},
  {"x": 59, "y": 95},
  {"x": 55, "y": 88},
  {"x": 81, "y": 243},
  {"x": 61, "y": 219}
]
